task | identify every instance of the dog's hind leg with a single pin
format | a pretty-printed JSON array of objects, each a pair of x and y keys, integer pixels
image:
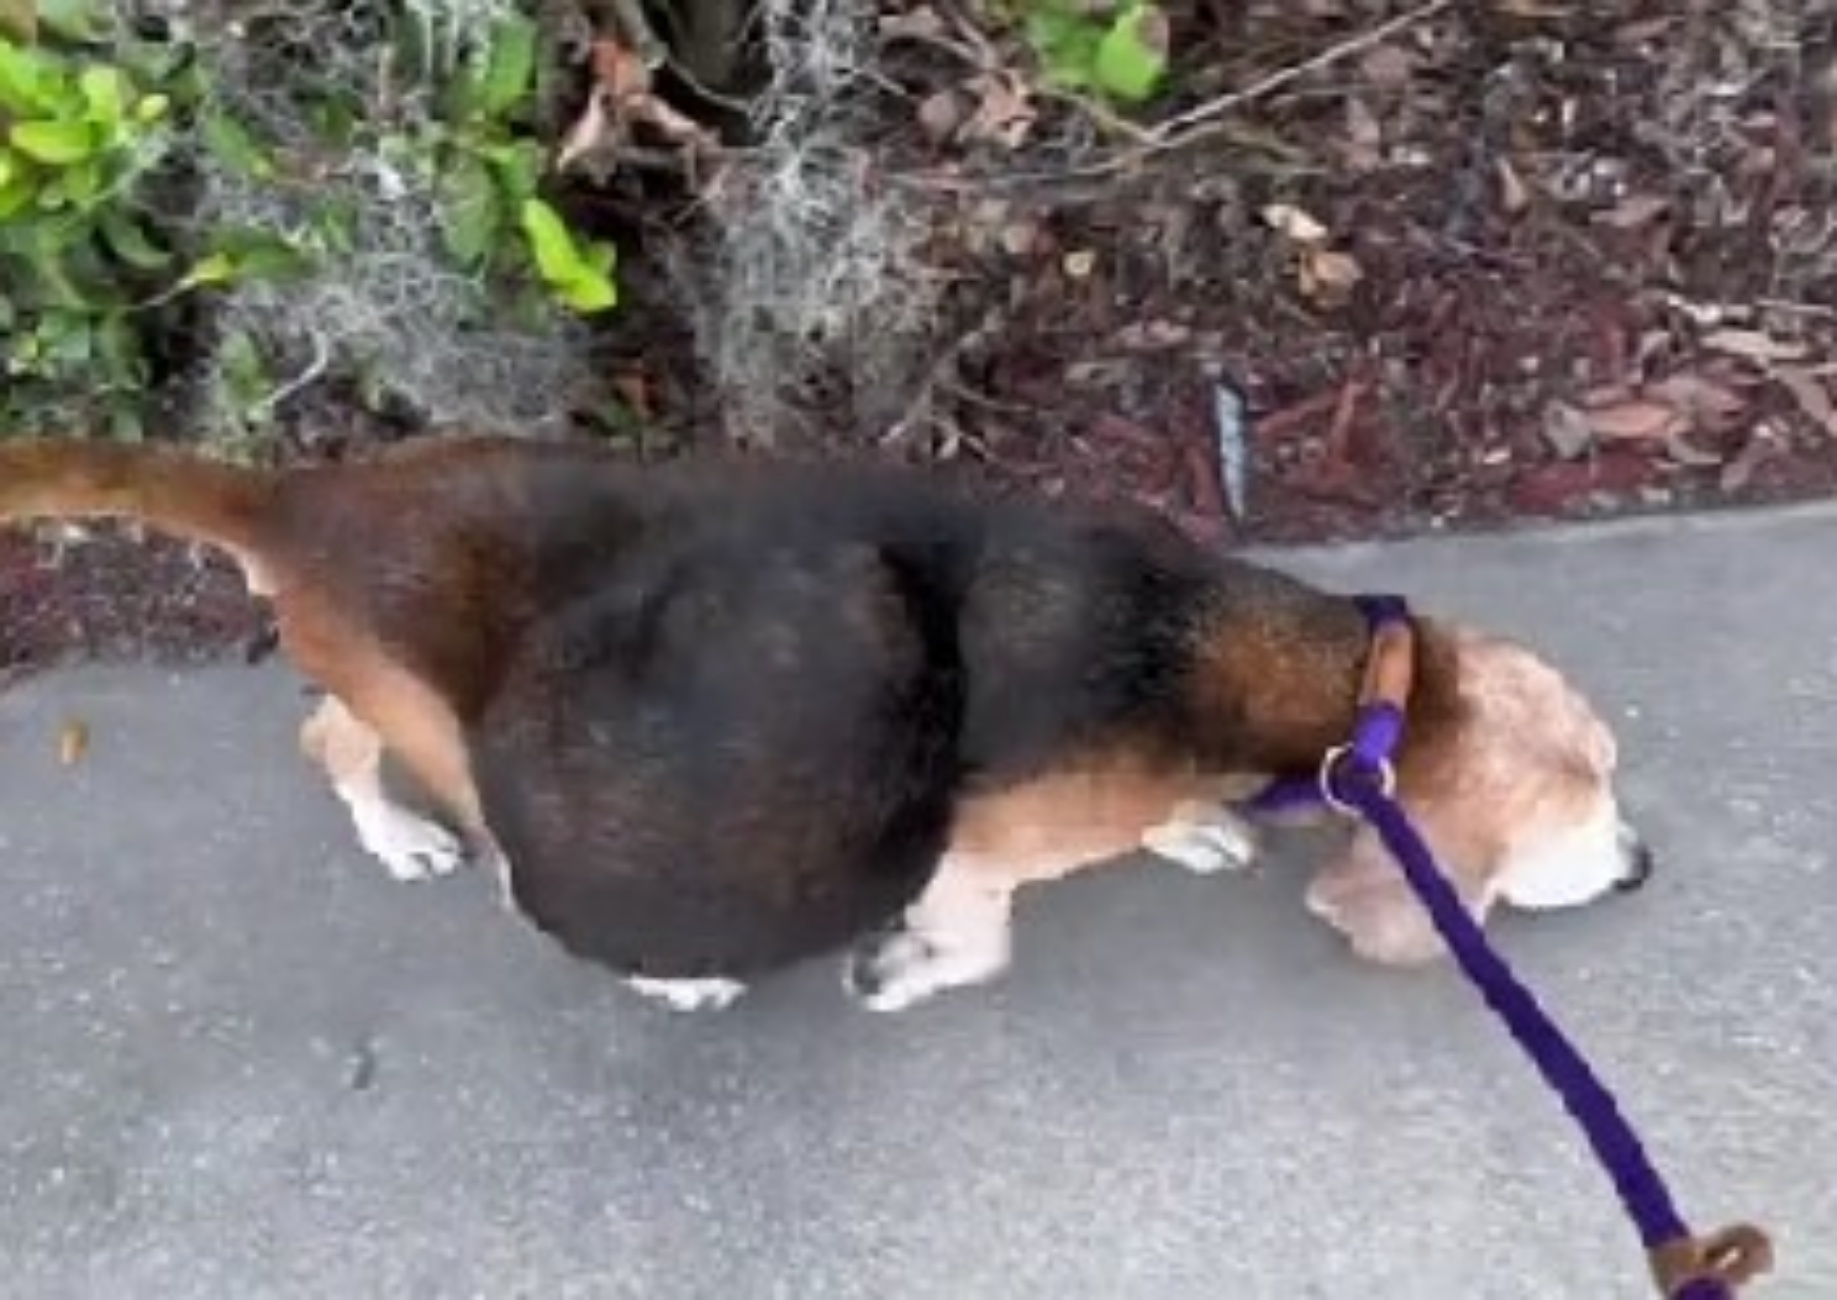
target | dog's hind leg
[
  {"x": 688, "y": 994},
  {"x": 408, "y": 844},
  {"x": 957, "y": 933}
]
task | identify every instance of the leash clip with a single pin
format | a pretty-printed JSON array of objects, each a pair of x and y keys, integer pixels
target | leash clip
[{"x": 1334, "y": 765}]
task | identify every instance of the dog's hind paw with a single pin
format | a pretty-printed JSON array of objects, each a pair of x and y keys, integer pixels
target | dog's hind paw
[
  {"x": 902, "y": 967},
  {"x": 688, "y": 994},
  {"x": 409, "y": 845}
]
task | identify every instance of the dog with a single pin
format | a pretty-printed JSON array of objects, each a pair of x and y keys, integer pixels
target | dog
[{"x": 710, "y": 719}]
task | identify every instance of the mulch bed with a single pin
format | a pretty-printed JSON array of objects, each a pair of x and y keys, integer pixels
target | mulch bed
[{"x": 1524, "y": 260}]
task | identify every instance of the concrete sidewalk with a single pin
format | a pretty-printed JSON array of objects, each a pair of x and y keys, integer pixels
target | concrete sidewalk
[{"x": 241, "y": 1063}]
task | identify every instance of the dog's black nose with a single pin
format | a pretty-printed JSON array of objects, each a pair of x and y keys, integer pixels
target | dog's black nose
[{"x": 1641, "y": 863}]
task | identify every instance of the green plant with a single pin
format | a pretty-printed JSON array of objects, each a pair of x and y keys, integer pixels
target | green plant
[
  {"x": 1117, "y": 51},
  {"x": 81, "y": 264},
  {"x": 480, "y": 147},
  {"x": 75, "y": 141}
]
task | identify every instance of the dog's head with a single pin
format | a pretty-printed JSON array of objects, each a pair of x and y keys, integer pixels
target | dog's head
[{"x": 1508, "y": 772}]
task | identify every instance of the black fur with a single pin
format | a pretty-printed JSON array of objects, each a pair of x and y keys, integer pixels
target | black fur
[{"x": 733, "y": 735}]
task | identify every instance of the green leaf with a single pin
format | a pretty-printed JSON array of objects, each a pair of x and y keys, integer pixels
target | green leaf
[
  {"x": 105, "y": 94},
  {"x": 1065, "y": 43},
  {"x": 471, "y": 220},
  {"x": 66, "y": 340},
  {"x": 517, "y": 167},
  {"x": 258, "y": 255},
  {"x": 1131, "y": 58},
  {"x": 74, "y": 20},
  {"x": 591, "y": 291},
  {"x": 232, "y": 145},
  {"x": 27, "y": 79},
  {"x": 83, "y": 184},
  {"x": 239, "y": 361},
  {"x": 558, "y": 260},
  {"x": 510, "y": 67},
  {"x": 213, "y": 268},
  {"x": 14, "y": 195},
  {"x": 118, "y": 350},
  {"x": 334, "y": 221},
  {"x": 55, "y": 143},
  {"x": 121, "y": 231}
]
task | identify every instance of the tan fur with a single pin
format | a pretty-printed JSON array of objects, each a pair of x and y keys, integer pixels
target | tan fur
[
  {"x": 1528, "y": 758},
  {"x": 1091, "y": 811}
]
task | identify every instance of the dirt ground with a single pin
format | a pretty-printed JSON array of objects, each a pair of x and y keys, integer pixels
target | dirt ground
[{"x": 1413, "y": 267}]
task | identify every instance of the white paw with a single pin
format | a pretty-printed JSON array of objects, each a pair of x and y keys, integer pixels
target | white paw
[
  {"x": 409, "y": 845},
  {"x": 688, "y": 994},
  {"x": 1205, "y": 843},
  {"x": 903, "y": 968}
]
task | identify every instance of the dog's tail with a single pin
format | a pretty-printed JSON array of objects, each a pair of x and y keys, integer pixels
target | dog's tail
[{"x": 168, "y": 489}]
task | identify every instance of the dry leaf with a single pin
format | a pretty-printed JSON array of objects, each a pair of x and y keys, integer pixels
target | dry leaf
[
  {"x": 1684, "y": 452},
  {"x": 1635, "y": 421},
  {"x": 619, "y": 70},
  {"x": 594, "y": 129},
  {"x": 1362, "y": 148},
  {"x": 1388, "y": 67},
  {"x": 1323, "y": 270},
  {"x": 1362, "y": 125},
  {"x": 1754, "y": 453},
  {"x": 1019, "y": 238},
  {"x": 621, "y": 96},
  {"x": 1566, "y": 430},
  {"x": 1294, "y": 224},
  {"x": 1513, "y": 195},
  {"x": 1809, "y": 392},
  {"x": 1755, "y": 345},
  {"x": 921, "y": 24},
  {"x": 72, "y": 742},
  {"x": 941, "y": 115},
  {"x": 1707, "y": 404},
  {"x": 1004, "y": 115},
  {"x": 633, "y": 388},
  {"x": 1633, "y": 211}
]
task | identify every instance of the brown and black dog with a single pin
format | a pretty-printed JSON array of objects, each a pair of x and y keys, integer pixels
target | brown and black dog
[{"x": 714, "y": 718}]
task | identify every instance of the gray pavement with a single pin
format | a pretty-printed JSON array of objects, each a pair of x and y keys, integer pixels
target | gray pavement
[{"x": 239, "y": 1062}]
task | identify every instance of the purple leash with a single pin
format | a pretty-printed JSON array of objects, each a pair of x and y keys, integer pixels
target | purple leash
[{"x": 1359, "y": 777}]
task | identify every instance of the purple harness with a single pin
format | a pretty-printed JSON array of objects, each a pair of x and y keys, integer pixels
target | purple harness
[{"x": 1359, "y": 778}]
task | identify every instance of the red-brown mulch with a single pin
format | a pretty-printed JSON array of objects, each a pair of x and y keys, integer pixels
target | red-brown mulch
[{"x": 1581, "y": 261}]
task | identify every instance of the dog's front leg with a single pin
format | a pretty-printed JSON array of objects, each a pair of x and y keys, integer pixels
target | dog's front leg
[
  {"x": 1205, "y": 838},
  {"x": 957, "y": 933}
]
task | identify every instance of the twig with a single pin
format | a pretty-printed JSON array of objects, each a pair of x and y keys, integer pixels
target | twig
[
  {"x": 1202, "y": 122},
  {"x": 974, "y": 49},
  {"x": 1183, "y": 128},
  {"x": 645, "y": 43},
  {"x": 919, "y": 411}
]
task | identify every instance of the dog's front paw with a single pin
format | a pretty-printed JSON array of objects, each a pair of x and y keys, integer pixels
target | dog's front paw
[
  {"x": 902, "y": 967},
  {"x": 1379, "y": 917},
  {"x": 1204, "y": 840},
  {"x": 410, "y": 846}
]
